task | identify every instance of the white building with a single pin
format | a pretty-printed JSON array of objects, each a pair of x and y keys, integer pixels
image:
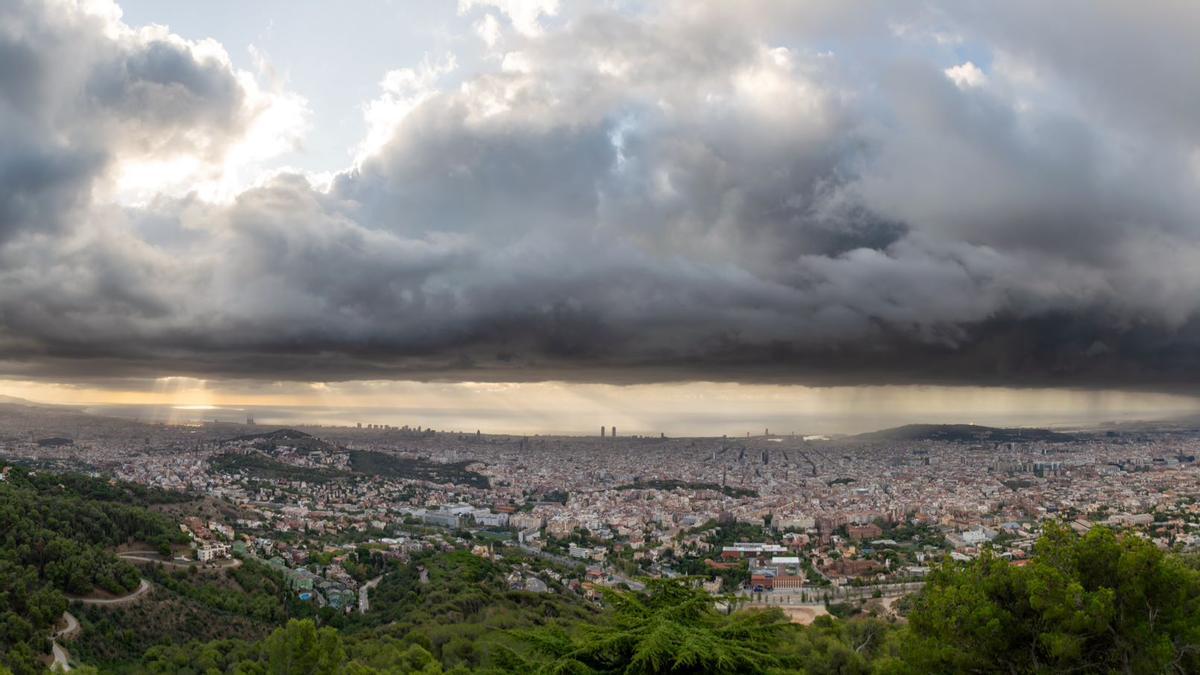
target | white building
[{"x": 211, "y": 550}]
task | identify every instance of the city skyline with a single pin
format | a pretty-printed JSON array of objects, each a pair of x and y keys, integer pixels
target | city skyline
[{"x": 553, "y": 408}]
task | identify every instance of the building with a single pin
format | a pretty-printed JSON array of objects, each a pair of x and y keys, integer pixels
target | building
[
  {"x": 978, "y": 535},
  {"x": 864, "y": 532},
  {"x": 742, "y": 550},
  {"x": 763, "y": 579},
  {"x": 211, "y": 550},
  {"x": 441, "y": 519}
]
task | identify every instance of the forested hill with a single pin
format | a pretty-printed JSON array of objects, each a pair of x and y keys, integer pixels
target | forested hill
[
  {"x": 962, "y": 433},
  {"x": 56, "y": 533},
  {"x": 269, "y": 440},
  {"x": 1100, "y": 603}
]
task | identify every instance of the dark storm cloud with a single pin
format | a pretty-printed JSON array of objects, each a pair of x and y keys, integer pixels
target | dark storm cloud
[
  {"x": 75, "y": 97},
  {"x": 732, "y": 192}
]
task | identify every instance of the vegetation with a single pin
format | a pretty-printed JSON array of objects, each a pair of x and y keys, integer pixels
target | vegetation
[
  {"x": 292, "y": 438},
  {"x": 727, "y": 534},
  {"x": 1094, "y": 604},
  {"x": 253, "y": 591},
  {"x": 962, "y": 433},
  {"x": 669, "y": 628},
  {"x": 299, "y": 648},
  {"x": 115, "y": 638},
  {"x": 727, "y": 490},
  {"x": 1099, "y": 603},
  {"x": 461, "y": 613},
  {"x": 258, "y": 465},
  {"x": 55, "y": 532},
  {"x": 393, "y": 466}
]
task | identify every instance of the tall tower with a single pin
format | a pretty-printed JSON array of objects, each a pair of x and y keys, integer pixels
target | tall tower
[
  {"x": 614, "y": 433},
  {"x": 601, "y": 431}
]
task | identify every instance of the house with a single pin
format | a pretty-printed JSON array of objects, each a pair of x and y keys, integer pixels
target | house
[{"x": 210, "y": 550}]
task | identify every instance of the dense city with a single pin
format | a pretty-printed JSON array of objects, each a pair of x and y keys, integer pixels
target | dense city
[{"x": 795, "y": 521}]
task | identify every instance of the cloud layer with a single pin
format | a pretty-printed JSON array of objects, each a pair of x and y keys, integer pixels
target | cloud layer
[{"x": 679, "y": 191}]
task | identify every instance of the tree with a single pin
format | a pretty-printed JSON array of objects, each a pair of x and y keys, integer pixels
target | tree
[
  {"x": 1096, "y": 603},
  {"x": 301, "y": 649},
  {"x": 671, "y": 627}
]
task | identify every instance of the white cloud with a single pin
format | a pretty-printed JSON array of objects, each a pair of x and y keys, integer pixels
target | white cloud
[
  {"x": 277, "y": 120},
  {"x": 403, "y": 90},
  {"x": 525, "y": 15},
  {"x": 488, "y": 30},
  {"x": 966, "y": 75}
]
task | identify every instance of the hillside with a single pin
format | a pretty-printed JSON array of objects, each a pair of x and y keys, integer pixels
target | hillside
[
  {"x": 963, "y": 433},
  {"x": 57, "y": 533},
  {"x": 269, "y": 440},
  {"x": 26, "y": 403}
]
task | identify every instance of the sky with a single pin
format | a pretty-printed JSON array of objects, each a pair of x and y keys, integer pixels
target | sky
[{"x": 585, "y": 201}]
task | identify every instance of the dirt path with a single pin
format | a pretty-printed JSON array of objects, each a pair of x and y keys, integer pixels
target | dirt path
[
  {"x": 142, "y": 589},
  {"x": 62, "y": 659},
  {"x": 72, "y": 626}
]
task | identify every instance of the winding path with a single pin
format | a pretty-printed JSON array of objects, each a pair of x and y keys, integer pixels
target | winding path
[
  {"x": 72, "y": 626},
  {"x": 62, "y": 658},
  {"x": 142, "y": 589}
]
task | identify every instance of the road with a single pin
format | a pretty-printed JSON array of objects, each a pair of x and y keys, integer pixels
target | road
[
  {"x": 363, "y": 603},
  {"x": 141, "y": 590},
  {"x": 153, "y": 557}
]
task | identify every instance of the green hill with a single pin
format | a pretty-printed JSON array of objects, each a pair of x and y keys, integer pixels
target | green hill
[{"x": 962, "y": 433}]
